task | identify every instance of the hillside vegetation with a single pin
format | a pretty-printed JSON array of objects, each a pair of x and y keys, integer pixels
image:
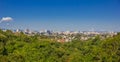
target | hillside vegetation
[{"x": 18, "y": 47}]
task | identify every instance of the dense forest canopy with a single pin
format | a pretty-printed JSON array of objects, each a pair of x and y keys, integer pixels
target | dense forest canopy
[{"x": 19, "y": 47}]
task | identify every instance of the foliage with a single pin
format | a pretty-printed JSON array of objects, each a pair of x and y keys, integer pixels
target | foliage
[{"x": 18, "y": 47}]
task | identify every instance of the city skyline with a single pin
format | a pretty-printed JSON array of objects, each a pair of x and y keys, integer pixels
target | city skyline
[{"x": 61, "y": 15}]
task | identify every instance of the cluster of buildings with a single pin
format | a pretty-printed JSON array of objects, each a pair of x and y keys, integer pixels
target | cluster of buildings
[
  {"x": 66, "y": 36},
  {"x": 84, "y": 35}
]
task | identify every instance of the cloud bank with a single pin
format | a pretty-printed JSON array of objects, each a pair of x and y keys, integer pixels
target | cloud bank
[{"x": 6, "y": 19}]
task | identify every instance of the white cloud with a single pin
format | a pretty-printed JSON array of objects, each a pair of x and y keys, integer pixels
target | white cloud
[{"x": 7, "y": 19}]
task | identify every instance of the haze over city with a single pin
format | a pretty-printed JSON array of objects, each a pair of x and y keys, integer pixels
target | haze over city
[{"x": 60, "y": 15}]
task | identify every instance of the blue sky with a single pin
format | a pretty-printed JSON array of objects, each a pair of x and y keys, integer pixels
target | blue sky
[{"x": 82, "y": 15}]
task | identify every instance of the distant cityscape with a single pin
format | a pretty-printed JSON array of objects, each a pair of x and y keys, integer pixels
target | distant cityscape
[{"x": 66, "y": 36}]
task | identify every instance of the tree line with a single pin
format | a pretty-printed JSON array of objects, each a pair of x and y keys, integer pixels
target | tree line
[{"x": 18, "y": 47}]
